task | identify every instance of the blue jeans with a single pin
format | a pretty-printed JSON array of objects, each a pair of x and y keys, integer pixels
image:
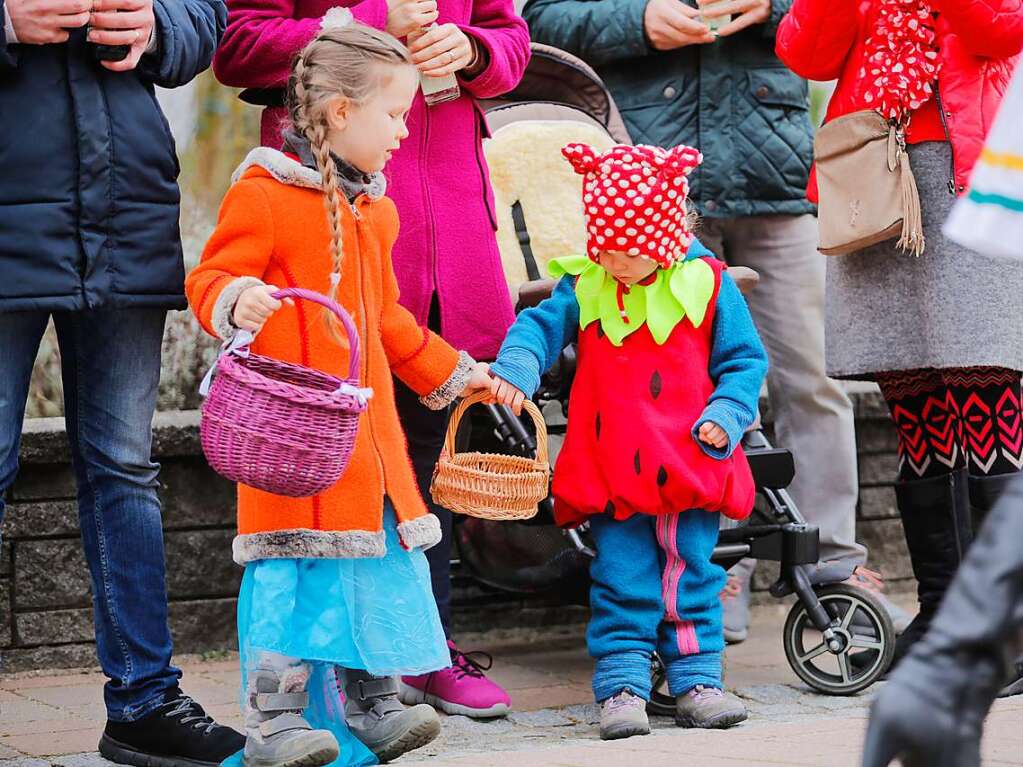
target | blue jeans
[
  {"x": 655, "y": 588},
  {"x": 111, "y": 371}
]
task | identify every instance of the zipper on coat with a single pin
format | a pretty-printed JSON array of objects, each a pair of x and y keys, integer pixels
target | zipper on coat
[{"x": 948, "y": 138}]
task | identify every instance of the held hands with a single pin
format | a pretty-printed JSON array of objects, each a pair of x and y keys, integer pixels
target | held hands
[
  {"x": 670, "y": 24},
  {"x": 406, "y": 16},
  {"x": 479, "y": 378},
  {"x": 745, "y": 13},
  {"x": 122, "y": 22},
  {"x": 504, "y": 393},
  {"x": 441, "y": 51},
  {"x": 712, "y": 434},
  {"x": 255, "y": 306},
  {"x": 40, "y": 22}
]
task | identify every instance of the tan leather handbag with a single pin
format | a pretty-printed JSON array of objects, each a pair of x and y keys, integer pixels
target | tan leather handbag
[{"x": 866, "y": 188}]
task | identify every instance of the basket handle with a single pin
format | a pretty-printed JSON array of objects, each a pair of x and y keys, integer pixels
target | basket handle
[
  {"x": 339, "y": 312},
  {"x": 542, "y": 457}
]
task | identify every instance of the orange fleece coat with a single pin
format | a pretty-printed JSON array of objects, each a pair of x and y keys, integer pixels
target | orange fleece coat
[{"x": 273, "y": 229}]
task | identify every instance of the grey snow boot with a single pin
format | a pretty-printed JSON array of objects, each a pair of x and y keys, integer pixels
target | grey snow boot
[
  {"x": 276, "y": 733},
  {"x": 378, "y": 719}
]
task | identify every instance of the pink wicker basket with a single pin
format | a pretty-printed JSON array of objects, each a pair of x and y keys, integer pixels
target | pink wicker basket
[{"x": 282, "y": 427}]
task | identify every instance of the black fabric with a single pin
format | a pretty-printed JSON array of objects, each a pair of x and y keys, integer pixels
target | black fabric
[
  {"x": 179, "y": 729},
  {"x": 89, "y": 194},
  {"x": 424, "y": 430},
  {"x": 352, "y": 180}
]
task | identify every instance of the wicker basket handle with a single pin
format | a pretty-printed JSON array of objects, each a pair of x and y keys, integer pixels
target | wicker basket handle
[
  {"x": 339, "y": 312},
  {"x": 542, "y": 457}
]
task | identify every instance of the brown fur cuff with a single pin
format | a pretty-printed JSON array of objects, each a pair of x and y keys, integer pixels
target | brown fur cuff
[
  {"x": 420, "y": 533},
  {"x": 448, "y": 391},
  {"x": 312, "y": 544},
  {"x": 223, "y": 309}
]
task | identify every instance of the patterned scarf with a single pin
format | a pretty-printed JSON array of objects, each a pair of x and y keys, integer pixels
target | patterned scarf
[{"x": 901, "y": 61}]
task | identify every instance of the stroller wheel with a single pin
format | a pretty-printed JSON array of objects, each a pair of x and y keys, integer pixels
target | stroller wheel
[
  {"x": 661, "y": 701},
  {"x": 865, "y": 639}
]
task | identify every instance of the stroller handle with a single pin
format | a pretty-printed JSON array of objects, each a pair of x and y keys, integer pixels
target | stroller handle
[{"x": 338, "y": 311}]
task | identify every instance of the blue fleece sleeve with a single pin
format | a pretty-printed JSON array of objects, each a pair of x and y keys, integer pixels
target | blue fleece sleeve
[
  {"x": 536, "y": 339},
  {"x": 738, "y": 364}
]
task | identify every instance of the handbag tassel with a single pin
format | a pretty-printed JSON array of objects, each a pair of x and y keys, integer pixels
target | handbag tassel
[{"x": 912, "y": 239}]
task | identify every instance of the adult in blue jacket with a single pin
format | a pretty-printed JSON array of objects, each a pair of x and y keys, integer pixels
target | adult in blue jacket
[
  {"x": 89, "y": 236},
  {"x": 728, "y": 94}
]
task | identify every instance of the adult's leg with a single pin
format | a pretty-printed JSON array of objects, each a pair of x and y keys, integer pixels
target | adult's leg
[
  {"x": 20, "y": 334},
  {"x": 111, "y": 367},
  {"x": 813, "y": 416}
]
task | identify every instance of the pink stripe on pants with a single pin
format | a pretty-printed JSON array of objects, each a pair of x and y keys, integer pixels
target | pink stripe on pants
[{"x": 674, "y": 567}]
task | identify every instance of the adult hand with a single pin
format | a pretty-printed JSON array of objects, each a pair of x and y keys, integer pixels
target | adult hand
[
  {"x": 504, "y": 393},
  {"x": 406, "y": 16},
  {"x": 39, "y": 22},
  {"x": 443, "y": 50},
  {"x": 122, "y": 22},
  {"x": 670, "y": 24},
  {"x": 746, "y": 13},
  {"x": 712, "y": 434}
]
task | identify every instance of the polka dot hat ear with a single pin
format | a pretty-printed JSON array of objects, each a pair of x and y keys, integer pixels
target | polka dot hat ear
[{"x": 634, "y": 198}]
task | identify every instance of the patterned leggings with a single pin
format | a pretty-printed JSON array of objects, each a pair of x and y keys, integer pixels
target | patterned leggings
[{"x": 953, "y": 418}]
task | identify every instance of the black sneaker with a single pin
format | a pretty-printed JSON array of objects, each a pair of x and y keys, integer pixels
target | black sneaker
[{"x": 178, "y": 734}]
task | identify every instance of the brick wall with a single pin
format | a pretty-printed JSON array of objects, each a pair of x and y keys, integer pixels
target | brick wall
[{"x": 45, "y": 607}]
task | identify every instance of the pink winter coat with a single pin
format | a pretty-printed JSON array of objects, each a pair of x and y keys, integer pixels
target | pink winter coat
[{"x": 438, "y": 179}]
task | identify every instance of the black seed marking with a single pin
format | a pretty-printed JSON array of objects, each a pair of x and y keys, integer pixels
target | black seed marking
[
  {"x": 610, "y": 508},
  {"x": 598, "y": 425},
  {"x": 662, "y": 477},
  {"x": 655, "y": 385},
  {"x": 635, "y": 462},
  {"x": 600, "y": 331}
]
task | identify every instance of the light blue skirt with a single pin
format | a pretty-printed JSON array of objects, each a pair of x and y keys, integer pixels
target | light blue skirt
[{"x": 378, "y": 615}]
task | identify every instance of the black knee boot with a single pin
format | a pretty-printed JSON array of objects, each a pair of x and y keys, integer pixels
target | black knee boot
[
  {"x": 931, "y": 712},
  {"x": 936, "y": 520},
  {"x": 984, "y": 494}
]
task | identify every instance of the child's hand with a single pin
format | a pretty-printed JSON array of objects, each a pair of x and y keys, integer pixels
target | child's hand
[
  {"x": 506, "y": 394},
  {"x": 254, "y": 307},
  {"x": 479, "y": 378},
  {"x": 712, "y": 434}
]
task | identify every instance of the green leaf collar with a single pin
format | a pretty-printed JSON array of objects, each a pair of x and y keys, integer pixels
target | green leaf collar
[{"x": 682, "y": 290}]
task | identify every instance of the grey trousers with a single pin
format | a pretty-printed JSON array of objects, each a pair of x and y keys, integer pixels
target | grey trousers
[{"x": 812, "y": 414}]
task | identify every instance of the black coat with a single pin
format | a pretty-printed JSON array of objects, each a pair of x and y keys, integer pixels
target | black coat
[{"x": 88, "y": 170}]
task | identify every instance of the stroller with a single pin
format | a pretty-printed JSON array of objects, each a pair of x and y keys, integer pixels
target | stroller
[{"x": 560, "y": 100}]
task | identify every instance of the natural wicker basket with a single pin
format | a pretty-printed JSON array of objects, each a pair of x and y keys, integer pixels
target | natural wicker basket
[{"x": 487, "y": 485}]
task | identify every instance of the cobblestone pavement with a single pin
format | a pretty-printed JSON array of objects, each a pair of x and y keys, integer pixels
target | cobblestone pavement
[{"x": 56, "y": 719}]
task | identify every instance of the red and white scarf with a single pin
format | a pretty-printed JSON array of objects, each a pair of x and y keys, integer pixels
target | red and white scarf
[{"x": 901, "y": 61}]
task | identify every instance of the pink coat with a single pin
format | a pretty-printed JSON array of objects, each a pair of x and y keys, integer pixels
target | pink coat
[{"x": 438, "y": 179}]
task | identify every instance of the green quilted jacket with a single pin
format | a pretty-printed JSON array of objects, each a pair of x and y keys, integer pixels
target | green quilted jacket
[{"x": 733, "y": 99}]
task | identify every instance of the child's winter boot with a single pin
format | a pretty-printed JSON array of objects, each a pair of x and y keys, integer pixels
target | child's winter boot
[
  {"x": 276, "y": 733},
  {"x": 708, "y": 708},
  {"x": 378, "y": 719},
  {"x": 622, "y": 716},
  {"x": 931, "y": 712}
]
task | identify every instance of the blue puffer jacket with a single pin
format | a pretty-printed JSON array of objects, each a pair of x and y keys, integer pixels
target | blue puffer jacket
[{"x": 88, "y": 171}]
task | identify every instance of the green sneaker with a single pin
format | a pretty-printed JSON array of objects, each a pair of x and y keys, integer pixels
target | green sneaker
[{"x": 708, "y": 708}]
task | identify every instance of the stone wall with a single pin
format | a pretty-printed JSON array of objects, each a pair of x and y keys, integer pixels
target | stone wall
[{"x": 45, "y": 613}]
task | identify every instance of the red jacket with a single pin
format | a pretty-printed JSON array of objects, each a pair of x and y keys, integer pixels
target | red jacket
[{"x": 979, "y": 42}]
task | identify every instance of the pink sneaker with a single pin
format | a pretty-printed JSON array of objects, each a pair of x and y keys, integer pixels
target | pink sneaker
[{"x": 461, "y": 688}]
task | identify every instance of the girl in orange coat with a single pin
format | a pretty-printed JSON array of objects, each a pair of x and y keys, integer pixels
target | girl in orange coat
[{"x": 336, "y": 581}]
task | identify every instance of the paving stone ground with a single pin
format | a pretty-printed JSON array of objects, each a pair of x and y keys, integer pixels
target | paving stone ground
[{"x": 56, "y": 719}]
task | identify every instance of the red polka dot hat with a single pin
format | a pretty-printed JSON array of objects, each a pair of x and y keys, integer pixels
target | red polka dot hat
[{"x": 634, "y": 198}]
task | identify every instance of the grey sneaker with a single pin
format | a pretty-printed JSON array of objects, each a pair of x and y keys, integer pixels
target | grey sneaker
[
  {"x": 708, "y": 708},
  {"x": 276, "y": 734},
  {"x": 378, "y": 719},
  {"x": 622, "y": 716}
]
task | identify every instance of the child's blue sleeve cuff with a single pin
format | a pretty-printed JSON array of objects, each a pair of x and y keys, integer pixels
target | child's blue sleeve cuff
[
  {"x": 518, "y": 367},
  {"x": 731, "y": 417}
]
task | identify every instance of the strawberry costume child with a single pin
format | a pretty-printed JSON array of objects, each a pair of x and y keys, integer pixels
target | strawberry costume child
[{"x": 669, "y": 372}]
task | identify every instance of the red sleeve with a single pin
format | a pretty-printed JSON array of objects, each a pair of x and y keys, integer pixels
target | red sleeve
[
  {"x": 815, "y": 37},
  {"x": 505, "y": 36},
  {"x": 988, "y": 28},
  {"x": 263, "y": 36}
]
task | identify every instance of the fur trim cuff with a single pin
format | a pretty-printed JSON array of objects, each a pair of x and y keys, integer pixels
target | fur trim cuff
[
  {"x": 448, "y": 391},
  {"x": 420, "y": 533},
  {"x": 224, "y": 306},
  {"x": 311, "y": 544}
]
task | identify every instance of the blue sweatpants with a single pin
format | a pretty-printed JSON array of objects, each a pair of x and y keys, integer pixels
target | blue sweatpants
[{"x": 655, "y": 588}]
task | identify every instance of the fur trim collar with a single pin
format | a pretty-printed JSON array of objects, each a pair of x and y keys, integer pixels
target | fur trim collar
[
  {"x": 309, "y": 544},
  {"x": 290, "y": 171}
]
